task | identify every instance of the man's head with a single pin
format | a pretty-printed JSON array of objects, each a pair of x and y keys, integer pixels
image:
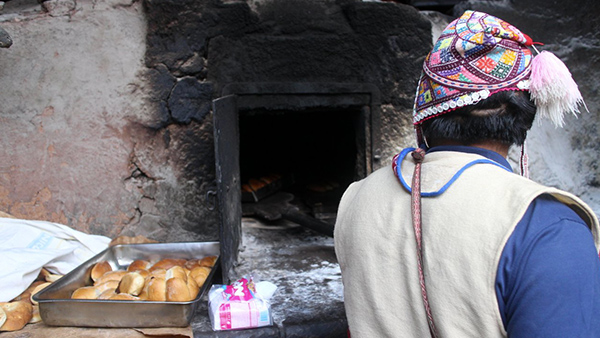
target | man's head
[
  {"x": 468, "y": 89},
  {"x": 481, "y": 82},
  {"x": 504, "y": 117}
]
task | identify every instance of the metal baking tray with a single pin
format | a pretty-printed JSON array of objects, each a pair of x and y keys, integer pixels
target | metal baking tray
[{"x": 58, "y": 309}]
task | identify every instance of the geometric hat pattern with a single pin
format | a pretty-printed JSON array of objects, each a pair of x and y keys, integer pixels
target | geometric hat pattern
[{"x": 476, "y": 56}]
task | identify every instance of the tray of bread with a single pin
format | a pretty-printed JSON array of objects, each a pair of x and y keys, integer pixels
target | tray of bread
[{"x": 133, "y": 285}]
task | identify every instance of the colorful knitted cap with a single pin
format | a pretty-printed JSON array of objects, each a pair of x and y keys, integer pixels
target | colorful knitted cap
[{"x": 476, "y": 56}]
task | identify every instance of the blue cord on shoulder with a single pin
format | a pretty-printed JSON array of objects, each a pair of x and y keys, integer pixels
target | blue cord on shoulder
[{"x": 406, "y": 151}]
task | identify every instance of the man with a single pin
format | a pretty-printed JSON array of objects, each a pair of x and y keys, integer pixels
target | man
[{"x": 449, "y": 242}]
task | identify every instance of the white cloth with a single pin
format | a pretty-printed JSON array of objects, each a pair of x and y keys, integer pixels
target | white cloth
[{"x": 27, "y": 246}]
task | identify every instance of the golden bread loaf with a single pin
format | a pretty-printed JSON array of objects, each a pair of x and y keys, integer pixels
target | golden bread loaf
[
  {"x": 176, "y": 290},
  {"x": 2, "y": 317},
  {"x": 157, "y": 289},
  {"x": 107, "y": 294},
  {"x": 35, "y": 315},
  {"x": 256, "y": 184},
  {"x": 139, "y": 239},
  {"x": 139, "y": 264},
  {"x": 132, "y": 283},
  {"x": 200, "y": 274},
  {"x": 99, "y": 269},
  {"x": 167, "y": 263},
  {"x": 48, "y": 276},
  {"x": 110, "y": 275},
  {"x": 86, "y": 292},
  {"x": 108, "y": 285},
  {"x": 17, "y": 313},
  {"x": 37, "y": 289},
  {"x": 191, "y": 263},
  {"x": 208, "y": 261},
  {"x": 193, "y": 288},
  {"x": 176, "y": 272},
  {"x": 179, "y": 290}
]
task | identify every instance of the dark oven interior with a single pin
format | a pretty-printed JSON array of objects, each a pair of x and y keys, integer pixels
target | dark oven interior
[{"x": 311, "y": 154}]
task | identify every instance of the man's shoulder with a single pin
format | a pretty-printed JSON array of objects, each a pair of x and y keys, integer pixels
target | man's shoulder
[{"x": 551, "y": 210}]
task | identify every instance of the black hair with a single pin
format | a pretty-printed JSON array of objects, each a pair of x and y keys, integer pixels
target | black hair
[{"x": 504, "y": 116}]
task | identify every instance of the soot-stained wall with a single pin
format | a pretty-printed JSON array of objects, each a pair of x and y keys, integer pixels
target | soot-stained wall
[
  {"x": 106, "y": 117},
  {"x": 200, "y": 47},
  {"x": 106, "y": 106}
]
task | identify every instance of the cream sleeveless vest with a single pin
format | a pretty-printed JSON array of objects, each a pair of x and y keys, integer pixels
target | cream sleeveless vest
[{"x": 464, "y": 231}]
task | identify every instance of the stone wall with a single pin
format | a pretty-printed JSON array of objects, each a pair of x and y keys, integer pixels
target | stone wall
[{"x": 106, "y": 121}]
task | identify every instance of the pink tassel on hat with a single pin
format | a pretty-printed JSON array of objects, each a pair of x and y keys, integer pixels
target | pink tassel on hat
[{"x": 553, "y": 89}]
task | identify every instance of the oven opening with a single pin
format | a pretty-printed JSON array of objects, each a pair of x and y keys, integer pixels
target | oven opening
[
  {"x": 307, "y": 157},
  {"x": 286, "y": 152}
]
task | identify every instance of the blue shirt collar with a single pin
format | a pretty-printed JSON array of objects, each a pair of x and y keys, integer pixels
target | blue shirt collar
[{"x": 492, "y": 155}]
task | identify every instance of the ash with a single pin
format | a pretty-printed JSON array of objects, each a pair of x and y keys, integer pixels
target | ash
[{"x": 300, "y": 262}]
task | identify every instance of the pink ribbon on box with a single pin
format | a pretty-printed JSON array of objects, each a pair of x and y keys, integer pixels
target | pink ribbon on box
[{"x": 241, "y": 290}]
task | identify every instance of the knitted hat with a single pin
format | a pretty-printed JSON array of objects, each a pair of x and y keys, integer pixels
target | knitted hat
[{"x": 478, "y": 55}]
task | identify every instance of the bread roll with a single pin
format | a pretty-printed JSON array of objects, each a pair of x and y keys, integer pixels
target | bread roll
[
  {"x": 208, "y": 261},
  {"x": 158, "y": 273},
  {"x": 44, "y": 273},
  {"x": 193, "y": 288},
  {"x": 167, "y": 263},
  {"x": 199, "y": 274},
  {"x": 99, "y": 269},
  {"x": 173, "y": 286},
  {"x": 139, "y": 264},
  {"x": 157, "y": 289},
  {"x": 176, "y": 272},
  {"x": 86, "y": 292},
  {"x": 191, "y": 263},
  {"x": 144, "y": 273},
  {"x": 177, "y": 290},
  {"x": 108, "y": 285},
  {"x": 37, "y": 289},
  {"x": 53, "y": 278},
  {"x": 18, "y": 315},
  {"x": 267, "y": 179},
  {"x": 256, "y": 184},
  {"x": 111, "y": 275},
  {"x": 132, "y": 283},
  {"x": 48, "y": 276},
  {"x": 144, "y": 294},
  {"x": 35, "y": 315},
  {"x": 2, "y": 317},
  {"x": 107, "y": 294},
  {"x": 139, "y": 239}
]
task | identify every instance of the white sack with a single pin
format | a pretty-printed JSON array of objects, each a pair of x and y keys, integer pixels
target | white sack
[{"x": 28, "y": 246}]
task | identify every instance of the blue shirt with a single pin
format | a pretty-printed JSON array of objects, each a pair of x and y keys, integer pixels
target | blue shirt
[{"x": 548, "y": 278}]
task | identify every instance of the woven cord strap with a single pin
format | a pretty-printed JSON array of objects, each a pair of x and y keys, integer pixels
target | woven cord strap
[
  {"x": 524, "y": 161},
  {"x": 418, "y": 155}
]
